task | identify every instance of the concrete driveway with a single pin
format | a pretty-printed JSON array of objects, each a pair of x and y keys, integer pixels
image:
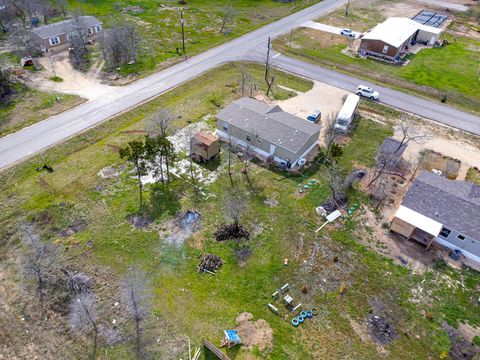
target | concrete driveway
[{"x": 328, "y": 28}]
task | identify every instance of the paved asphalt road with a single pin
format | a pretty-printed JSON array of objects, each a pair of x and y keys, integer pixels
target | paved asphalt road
[{"x": 252, "y": 46}]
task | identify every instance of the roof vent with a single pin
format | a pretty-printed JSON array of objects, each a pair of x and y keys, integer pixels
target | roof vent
[{"x": 436, "y": 213}]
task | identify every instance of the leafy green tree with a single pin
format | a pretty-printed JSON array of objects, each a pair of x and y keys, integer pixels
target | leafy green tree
[{"x": 135, "y": 152}]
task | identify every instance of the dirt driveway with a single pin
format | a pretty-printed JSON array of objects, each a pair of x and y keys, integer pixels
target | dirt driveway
[{"x": 86, "y": 85}]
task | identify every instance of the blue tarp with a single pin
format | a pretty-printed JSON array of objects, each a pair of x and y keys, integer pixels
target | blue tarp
[{"x": 232, "y": 335}]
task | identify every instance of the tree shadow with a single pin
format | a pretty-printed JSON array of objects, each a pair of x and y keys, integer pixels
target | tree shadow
[{"x": 163, "y": 200}]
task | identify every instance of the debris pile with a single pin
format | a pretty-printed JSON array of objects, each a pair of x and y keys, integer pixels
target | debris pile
[
  {"x": 381, "y": 331},
  {"x": 232, "y": 231},
  {"x": 210, "y": 264}
]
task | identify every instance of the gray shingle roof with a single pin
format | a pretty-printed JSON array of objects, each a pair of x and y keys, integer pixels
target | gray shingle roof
[
  {"x": 270, "y": 123},
  {"x": 391, "y": 146},
  {"x": 65, "y": 27},
  {"x": 455, "y": 204}
]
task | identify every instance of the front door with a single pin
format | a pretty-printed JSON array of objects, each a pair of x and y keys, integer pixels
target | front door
[{"x": 272, "y": 149}]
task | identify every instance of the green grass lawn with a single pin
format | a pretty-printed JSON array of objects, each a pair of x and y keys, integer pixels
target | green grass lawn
[
  {"x": 27, "y": 106},
  {"x": 202, "y": 306},
  {"x": 159, "y": 24},
  {"x": 473, "y": 175}
]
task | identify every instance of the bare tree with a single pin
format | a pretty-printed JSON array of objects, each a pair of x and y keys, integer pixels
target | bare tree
[
  {"x": 132, "y": 45},
  {"x": 245, "y": 78},
  {"x": 336, "y": 183},
  {"x": 40, "y": 261},
  {"x": 62, "y": 6},
  {"x": 230, "y": 148},
  {"x": 388, "y": 160},
  {"x": 157, "y": 126},
  {"x": 78, "y": 45},
  {"x": 120, "y": 45},
  {"x": 22, "y": 39},
  {"x": 83, "y": 315},
  {"x": 228, "y": 14},
  {"x": 159, "y": 123},
  {"x": 329, "y": 133},
  {"x": 5, "y": 83},
  {"x": 409, "y": 133},
  {"x": 234, "y": 204},
  {"x": 136, "y": 294}
]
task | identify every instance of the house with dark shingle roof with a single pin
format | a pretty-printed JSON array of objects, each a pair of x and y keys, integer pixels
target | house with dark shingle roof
[
  {"x": 59, "y": 35},
  {"x": 268, "y": 131},
  {"x": 441, "y": 210}
]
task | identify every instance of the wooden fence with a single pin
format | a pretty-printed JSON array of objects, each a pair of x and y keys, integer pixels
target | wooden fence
[{"x": 215, "y": 350}]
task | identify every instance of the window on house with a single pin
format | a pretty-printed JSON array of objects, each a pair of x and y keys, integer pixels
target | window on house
[
  {"x": 98, "y": 28},
  {"x": 460, "y": 237},
  {"x": 385, "y": 49},
  {"x": 445, "y": 232},
  {"x": 55, "y": 40},
  {"x": 89, "y": 31},
  {"x": 248, "y": 138},
  {"x": 225, "y": 128}
]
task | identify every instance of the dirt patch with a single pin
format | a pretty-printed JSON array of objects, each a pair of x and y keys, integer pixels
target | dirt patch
[
  {"x": 176, "y": 231},
  {"x": 86, "y": 85},
  {"x": 254, "y": 333},
  {"x": 139, "y": 221},
  {"x": 460, "y": 348}
]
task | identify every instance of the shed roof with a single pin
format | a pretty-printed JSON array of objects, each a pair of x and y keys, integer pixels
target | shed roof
[
  {"x": 455, "y": 204},
  {"x": 65, "y": 27},
  {"x": 205, "y": 138},
  {"x": 269, "y": 123},
  {"x": 395, "y": 31}
]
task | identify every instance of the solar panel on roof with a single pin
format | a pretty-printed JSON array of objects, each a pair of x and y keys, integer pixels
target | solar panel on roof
[{"x": 430, "y": 18}]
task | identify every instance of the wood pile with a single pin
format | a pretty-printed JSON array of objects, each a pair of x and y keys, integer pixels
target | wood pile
[
  {"x": 210, "y": 264},
  {"x": 232, "y": 231}
]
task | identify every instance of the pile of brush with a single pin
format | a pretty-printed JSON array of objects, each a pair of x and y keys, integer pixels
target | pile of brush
[
  {"x": 232, "y": 231},
  {"x": 210, "y": 264}
]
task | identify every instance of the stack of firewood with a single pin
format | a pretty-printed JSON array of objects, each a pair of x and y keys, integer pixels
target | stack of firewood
[{"x": 210, "y": 264}]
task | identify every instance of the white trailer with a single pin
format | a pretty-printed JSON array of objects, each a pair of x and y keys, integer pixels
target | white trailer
[{"x": 347, "y": 112}]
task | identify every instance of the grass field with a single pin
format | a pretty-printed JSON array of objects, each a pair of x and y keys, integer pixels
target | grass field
[
  {"x": 201, "y": 306},
  {"x": 28, "y": 106},
  {"x": 473, "y": 175},
  {"x": 159, "y": 23}
]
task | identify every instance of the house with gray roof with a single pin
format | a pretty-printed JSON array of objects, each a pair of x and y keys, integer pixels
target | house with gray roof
[
  {"x": 436, "y": 209},
  {"x": 268, "y": 131},
  {"x": 59, "y": 35}
]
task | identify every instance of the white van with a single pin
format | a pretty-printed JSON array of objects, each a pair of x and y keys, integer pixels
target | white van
[{"x": 347, "y": 112}]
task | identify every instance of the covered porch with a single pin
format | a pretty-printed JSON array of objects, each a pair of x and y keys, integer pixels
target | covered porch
[{"x": 415, "y": 226}]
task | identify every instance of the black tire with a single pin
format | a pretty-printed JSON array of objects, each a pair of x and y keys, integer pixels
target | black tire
[
  {"x": 372, "y": 97},
  {"x": 359, "y": 93}
]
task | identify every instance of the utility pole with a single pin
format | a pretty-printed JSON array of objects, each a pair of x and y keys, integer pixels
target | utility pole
[
  {"x": 182, "y": 21},
  {"x": 267, "y": 62},
  {"x": 346, "y": 9}
]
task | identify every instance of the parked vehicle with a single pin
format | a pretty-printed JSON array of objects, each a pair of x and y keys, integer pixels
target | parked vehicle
[
  {"x": 347, "y": 32},
  {"x": 315, "y": 116},
  {"x": 347, "y": 113},
  {"x": 367, "y": 92}
]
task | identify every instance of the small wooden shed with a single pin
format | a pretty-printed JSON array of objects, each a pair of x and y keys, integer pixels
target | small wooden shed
[{"x": 204, "y": 147}]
